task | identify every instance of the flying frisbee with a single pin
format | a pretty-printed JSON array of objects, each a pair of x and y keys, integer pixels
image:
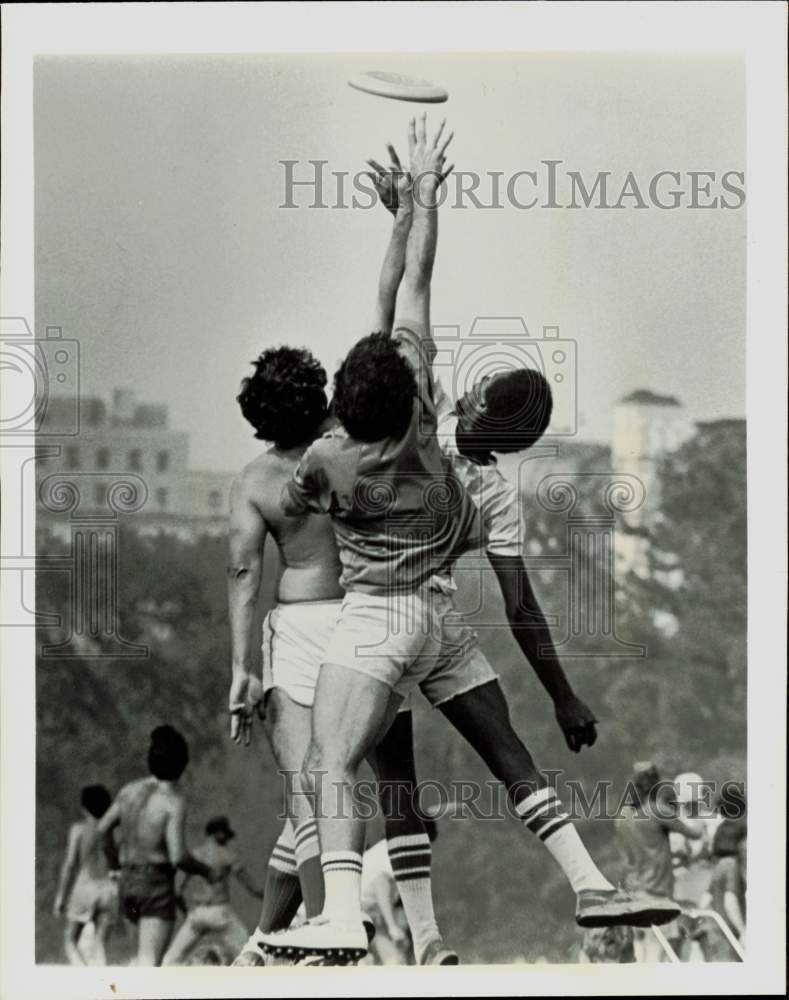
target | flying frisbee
[{"x": 398, "y": 87}]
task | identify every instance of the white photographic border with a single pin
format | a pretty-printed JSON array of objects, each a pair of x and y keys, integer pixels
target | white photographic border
[{"x": 757, "y": 29}]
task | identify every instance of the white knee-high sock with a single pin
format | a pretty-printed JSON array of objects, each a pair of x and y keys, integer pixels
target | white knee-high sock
[
  {"x": 411, "y": 858},
  {"x": 342, "y": 878},
  {"x": 542, "y": 813}
]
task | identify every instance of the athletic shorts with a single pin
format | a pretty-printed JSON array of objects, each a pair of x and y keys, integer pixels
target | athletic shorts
[
  {"x": 91, "y": 898},
  {"x": 148, "y": 890},
  {"x": 295, "y": 637},
  {"x": 461, "y": 665},
  {"x": 393, "y": 638}
]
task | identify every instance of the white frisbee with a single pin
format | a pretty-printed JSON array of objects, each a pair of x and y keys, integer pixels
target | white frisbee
[{"x": 398, "y": 87}]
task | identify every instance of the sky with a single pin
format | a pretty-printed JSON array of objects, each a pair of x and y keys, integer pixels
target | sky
[{"x": 162, "y": 247}]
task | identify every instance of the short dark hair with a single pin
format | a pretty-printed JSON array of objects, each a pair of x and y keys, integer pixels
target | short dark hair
[
  {"x": 285, "y": 400},
  {"x": 518, "y": 407},
  {"x": 168, "y": 754},
  {"x": 374, "y": 390},
  {"x": 95, "y": 799}
]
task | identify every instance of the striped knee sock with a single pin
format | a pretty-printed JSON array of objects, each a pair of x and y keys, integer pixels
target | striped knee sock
[
  {"x": 542, "y": 813},
  {"x": 342, "y": 877},
  {"x": 282, "y": 894},
  {"x": 411, "y": 857},
  {"x": 308, "y": 859}
]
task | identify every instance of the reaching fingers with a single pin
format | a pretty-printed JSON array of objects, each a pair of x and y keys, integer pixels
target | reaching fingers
[
  {"x": 447, "y": 172},
  {"x": 411, "y": 135},
  {"x": 377, "y": 166},
  {"x": 422, "y": 130},
  {"x": 442, "y": 150},
  {"x": 440, "y": 130},
  {"x": 393, "y": 156}
]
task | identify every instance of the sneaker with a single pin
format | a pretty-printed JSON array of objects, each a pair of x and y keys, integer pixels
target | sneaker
[
  {"x": 318, "y": 937},
  {"x": 436, "y": 954},
  {"x": 614, "y": 907}
]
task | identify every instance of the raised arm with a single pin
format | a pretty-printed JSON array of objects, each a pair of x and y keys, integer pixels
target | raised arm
[
  {"x": 531, "y": 631},
  {"x": 244, "y": 572},
  {"x": 427, "y": 173},
  {"x": 393, "y": 185}
]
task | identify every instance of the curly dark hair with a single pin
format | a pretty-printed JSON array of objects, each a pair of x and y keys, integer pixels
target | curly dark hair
[
  {"x": 168, "y": 754},
  {"x": 374, "y": 390},
  {"x": 518, "y": 410},
  {"x": 285, "y": 400}
]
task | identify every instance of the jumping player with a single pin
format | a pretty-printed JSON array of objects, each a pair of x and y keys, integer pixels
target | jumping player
[{"x": 151, "y": 816}]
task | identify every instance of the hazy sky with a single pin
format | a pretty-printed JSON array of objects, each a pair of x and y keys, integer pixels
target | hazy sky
[{"x": 161, "y": 247}]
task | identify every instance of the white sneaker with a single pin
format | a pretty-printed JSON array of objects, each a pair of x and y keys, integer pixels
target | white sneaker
[{"x": 318, "y": 936}]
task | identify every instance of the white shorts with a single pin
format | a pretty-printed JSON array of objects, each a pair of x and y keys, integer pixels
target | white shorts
[
  {"x": 394, "y": 638},
  {"x": 461, "y": 664},
  {"x": 295, "y": 637}
]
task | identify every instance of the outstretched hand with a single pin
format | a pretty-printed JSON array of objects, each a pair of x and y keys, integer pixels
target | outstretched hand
[
  {"x": 244, "y": 702},
  {"x": 392, "y": 183},
  {"x": 577, "y": 723},
  {"x": 428, "y": 156}
]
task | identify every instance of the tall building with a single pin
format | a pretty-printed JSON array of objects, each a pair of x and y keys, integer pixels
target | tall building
[
  {"x": 646, "y": 427},
  {"x": 132, "y": 440}
]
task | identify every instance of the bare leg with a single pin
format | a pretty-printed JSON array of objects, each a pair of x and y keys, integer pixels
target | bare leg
[
  {"x": 71, "y": 942},
  {"x": 102, "y": 926},
  {"x": 340, "y": 741},
  {"x": 288, "y": 727},
  {"x": 186, "y": 937},
  {"x": 153, "y": 935}
]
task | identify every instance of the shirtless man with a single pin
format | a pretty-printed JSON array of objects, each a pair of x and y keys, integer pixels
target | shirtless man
[
  {"x": 151, "y": 816},
  {"x": 86, "y": 893},
  {"x": 211, "y": 912}
]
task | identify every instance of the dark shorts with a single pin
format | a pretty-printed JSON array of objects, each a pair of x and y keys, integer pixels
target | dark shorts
[{"x": 148, "y": 891}]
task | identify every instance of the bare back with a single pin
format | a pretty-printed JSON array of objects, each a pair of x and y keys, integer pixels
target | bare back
[
  {"x": 309, "y": 561},
  {"x": 145, "y": 809},
  {"x": 90, "y": 850}
]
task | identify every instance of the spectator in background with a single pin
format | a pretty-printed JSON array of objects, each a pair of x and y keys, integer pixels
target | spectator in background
[
  {"x": 692, "y": 858},
  {"x": 86, "y": 894},
  {"x": 642, "y": 831},
  {"x": 726, "y": 894},
  {"x": 210, "y": 914}
]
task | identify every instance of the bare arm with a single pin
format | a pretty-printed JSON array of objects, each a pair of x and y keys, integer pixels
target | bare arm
[
  {"x": 106, "y": 830},
  {"x": 176, "y": 844},
  {"x": 427, "y": 173},
  {"x": 68, "y": 869},
  {"x": 533, "y": 635},
  {"x": 244, "y": 573},
  {"x": 394, "y": 191}
]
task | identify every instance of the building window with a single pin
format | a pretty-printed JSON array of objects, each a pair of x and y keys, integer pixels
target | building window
[
  {"x": 72, "y": 457},
  {"x": 135, "y": 460},
  {"x": 103, "y": 458},
  {"x": 162, "y": 498},
  {"x": 214, "y": 501},
  {"x": 100, "y": 494},
  {"x": 162, "y": 461}
]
